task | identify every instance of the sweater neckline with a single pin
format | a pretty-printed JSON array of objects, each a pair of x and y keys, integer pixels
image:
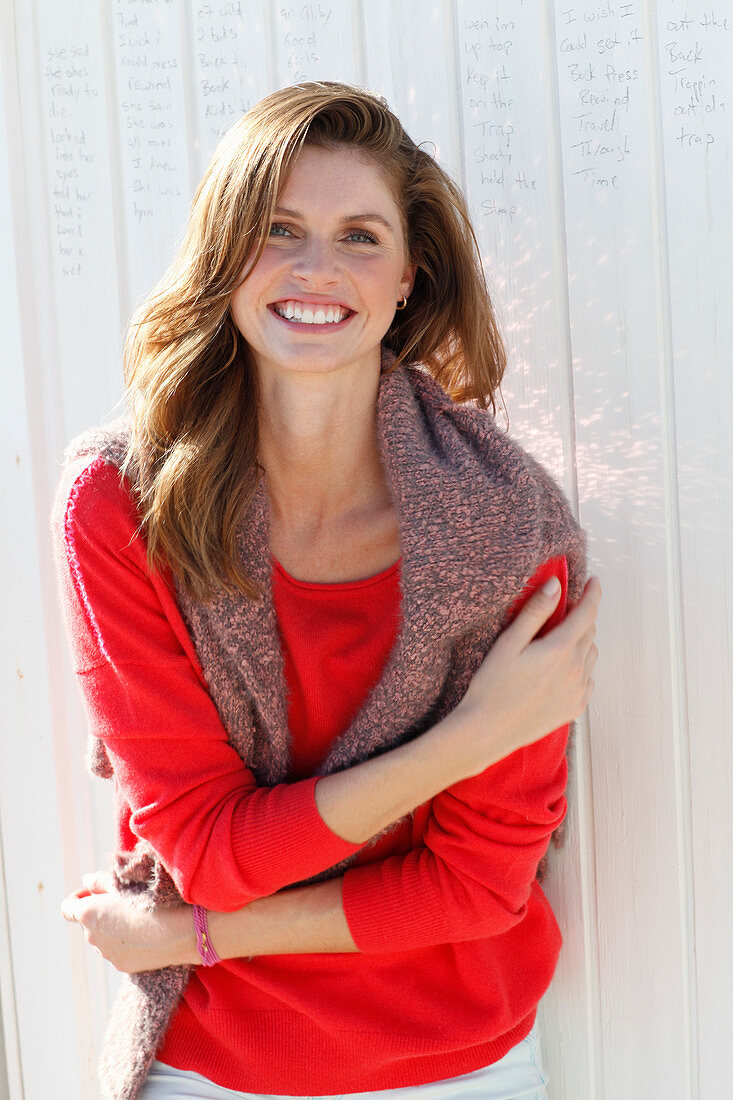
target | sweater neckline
[{"x": 336, "y": 586}]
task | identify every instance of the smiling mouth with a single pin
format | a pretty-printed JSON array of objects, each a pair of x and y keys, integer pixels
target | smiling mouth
[{"x": 317, "y": 317}]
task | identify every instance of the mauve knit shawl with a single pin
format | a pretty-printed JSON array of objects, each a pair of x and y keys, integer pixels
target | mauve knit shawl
[{"x": 478, "y": 516}]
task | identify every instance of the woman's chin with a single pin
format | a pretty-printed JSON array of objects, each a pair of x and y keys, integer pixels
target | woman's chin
[{"x": 319, "y": 358}]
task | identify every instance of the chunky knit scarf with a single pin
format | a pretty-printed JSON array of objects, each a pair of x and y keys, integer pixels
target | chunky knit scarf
[{"x": 478, "y": 516}]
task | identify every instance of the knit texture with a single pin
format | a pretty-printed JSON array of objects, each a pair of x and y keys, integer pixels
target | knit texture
[{"x": 477, "y": 516}]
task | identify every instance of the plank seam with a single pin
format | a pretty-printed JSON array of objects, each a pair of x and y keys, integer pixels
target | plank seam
[
  {"x": 269, "y": 21},
  {"x": 190, "y": 99},
  {"x": 114, "y": 147},
  {"x": 13, "y": 1065},
  {"x": 453, "y": 60},
  {"x": 678, "y": 682},
  {"x": 360, "y": 40}
]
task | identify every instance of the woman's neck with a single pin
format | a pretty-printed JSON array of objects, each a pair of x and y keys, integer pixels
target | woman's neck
[{"x": 318, "y": 446}]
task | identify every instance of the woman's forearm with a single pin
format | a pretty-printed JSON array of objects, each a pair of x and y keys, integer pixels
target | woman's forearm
[
  {"x": 301, "y": 920},
  {"x": 358, "y": 803}
]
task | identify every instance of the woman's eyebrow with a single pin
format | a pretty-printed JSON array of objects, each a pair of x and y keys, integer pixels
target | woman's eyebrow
[{"x": 370, "y": 217}]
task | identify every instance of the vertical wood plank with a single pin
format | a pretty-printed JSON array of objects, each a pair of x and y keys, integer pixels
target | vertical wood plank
[
  {"x": 315, "y": 42},
  {"x": 506, "y": 108},
  {"x": 694, "y": 47},
  {"x": 11, "y": 1071},
  {"x": 82, "y": 255},
  {"x": 152, "y": 124},
  {"x": 410, "y": 59},
  {"x": 230, "y": 67},
  {"x": 620, "y": 410}
]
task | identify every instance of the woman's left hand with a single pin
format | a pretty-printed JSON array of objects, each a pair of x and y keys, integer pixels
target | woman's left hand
[{"x": 131, "y": 938}]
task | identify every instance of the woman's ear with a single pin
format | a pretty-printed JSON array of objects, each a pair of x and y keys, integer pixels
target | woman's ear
[{"x": 408, "y": 279}]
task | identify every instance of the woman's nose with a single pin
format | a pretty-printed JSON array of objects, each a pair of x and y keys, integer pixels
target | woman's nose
[{"x": 317, "y": 260}]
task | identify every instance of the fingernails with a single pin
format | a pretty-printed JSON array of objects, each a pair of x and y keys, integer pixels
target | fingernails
[{"x": 551, "y": 587}]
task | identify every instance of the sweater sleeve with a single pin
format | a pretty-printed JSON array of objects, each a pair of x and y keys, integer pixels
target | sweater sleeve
[
  {"x": 224, "y": 839},
  {"x": 472, "y": 873}
]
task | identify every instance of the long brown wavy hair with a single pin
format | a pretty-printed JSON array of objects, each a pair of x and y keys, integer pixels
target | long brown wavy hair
[{"x": 191, "y": 378}]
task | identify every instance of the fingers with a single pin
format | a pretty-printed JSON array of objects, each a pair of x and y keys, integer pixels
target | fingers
[
  {"x": 540, "y": 606},
  {"x": 98, "y": 882},
  {"x": 587, "y": 652},
  {"x": 95, "y": 882},
  {"x": 70, "y": 907},
  {"x": 591, "y": 597},
  {"x": 579, "y": 623},
  {"x": 585, "y": 644},
  {"x": 590, "y": 660},
  {"x": 89, "y": 910},
  {"x": 533, "y": 614},
  {"x": 589, "y": 689},
  {"x": 573, "y": 648}
]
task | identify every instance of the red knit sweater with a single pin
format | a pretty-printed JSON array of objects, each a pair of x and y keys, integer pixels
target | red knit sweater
[{"x": 457, "y": 941}]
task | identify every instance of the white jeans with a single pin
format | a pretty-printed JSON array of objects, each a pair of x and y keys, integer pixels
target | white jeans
[{"x": 518, "y": 1074}]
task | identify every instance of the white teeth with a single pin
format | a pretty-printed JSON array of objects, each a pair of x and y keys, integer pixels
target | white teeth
[{"x": 292, "y": 310}]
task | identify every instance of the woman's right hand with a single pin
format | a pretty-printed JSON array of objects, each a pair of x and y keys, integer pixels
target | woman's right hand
[
  {"x": 527, "y": 686},
  {"x": 131, "y": 937}
]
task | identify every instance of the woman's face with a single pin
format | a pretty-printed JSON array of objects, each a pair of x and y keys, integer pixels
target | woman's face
[{"x": 335, "y": 250}]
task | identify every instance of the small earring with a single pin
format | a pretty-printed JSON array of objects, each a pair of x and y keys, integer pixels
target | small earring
[{"x": 404, "y": 302}]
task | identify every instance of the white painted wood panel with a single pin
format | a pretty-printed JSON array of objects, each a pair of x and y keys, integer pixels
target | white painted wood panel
[
  {"x": 410, "y": 57},
  {"x": 611, "y": 226},
  {"x": 83, "y": 256},
  {"x": 593, "y": 143},
  {"x": 694, "y": 50},
  {"x": 151, "y": 120},
  {"x": 11, "y": 1071},
  {"x": 509, "y": 141},
  {"x": 230, "y": 68},
  {"x": 316, "y": 42}
]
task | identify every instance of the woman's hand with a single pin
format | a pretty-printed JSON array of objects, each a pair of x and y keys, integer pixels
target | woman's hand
[
  {"x": 131, "y": 938},
  {"x": 528, "y": 686}
]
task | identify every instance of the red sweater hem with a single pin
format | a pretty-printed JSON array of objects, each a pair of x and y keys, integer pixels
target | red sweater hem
[{"x": 333, "y": 1062}]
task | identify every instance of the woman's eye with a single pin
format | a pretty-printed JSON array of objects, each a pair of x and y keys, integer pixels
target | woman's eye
[
  {"x": 367, "y": 238},
  {"x": 359, "y": 236}
]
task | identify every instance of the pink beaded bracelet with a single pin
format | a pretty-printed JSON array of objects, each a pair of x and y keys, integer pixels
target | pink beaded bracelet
[{"x": 203, "y": 940}]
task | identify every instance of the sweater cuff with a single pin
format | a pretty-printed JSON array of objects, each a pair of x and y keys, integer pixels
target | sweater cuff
[
  {"x": 299, "y": 844},
  {"x": 319, "y": 834},
  {"x": 391, "y": 924}
]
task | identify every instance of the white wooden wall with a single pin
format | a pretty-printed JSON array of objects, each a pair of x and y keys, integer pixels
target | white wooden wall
[{"x": 593, "y": 139}]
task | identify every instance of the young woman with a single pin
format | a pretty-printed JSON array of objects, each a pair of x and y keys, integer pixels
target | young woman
[{"x": 314, "y": 600}]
